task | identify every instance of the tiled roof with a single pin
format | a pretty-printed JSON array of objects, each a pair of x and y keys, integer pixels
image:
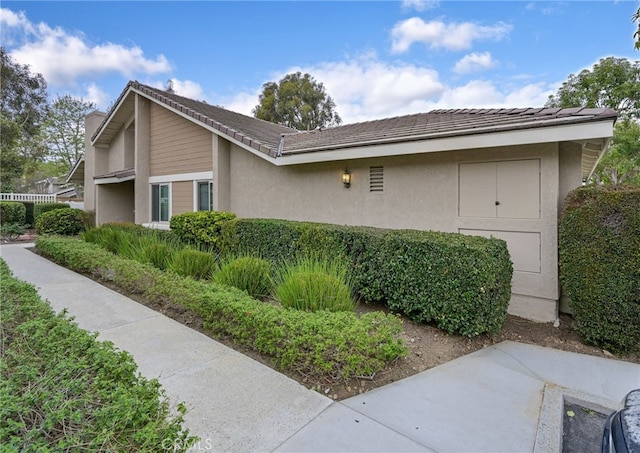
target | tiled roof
[
  {"x": 276, "y": 140},
  {"x": 438, "y": 124}
]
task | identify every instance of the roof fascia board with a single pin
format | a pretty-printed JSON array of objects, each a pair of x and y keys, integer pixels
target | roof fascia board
[
  {"x": 566, "y": 132},
  {"x": 113, "y": 180},
  {"x": 75, "y": 168},
  {"x": 210, "y": 128},
  {"x": 113, "y": 112}
]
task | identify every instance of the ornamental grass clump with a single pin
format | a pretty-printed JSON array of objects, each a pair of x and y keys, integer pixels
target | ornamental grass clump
[
  {"x": 192, "y": 263},
  {"x": 248, "y": 273},
  {"x": 314, "y": 284}
]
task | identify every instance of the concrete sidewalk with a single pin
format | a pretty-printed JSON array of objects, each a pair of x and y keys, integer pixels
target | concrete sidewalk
[{"x": 506, "y": 398}]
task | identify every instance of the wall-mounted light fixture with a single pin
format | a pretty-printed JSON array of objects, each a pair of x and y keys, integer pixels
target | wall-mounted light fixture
[{"x": 346, "y": 178}]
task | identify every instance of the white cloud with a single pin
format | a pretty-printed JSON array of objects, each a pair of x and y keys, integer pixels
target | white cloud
[
  {"x": 474, "y": 62},
  {"x": 97, "y": 96},
  {"x": 366, "y": 88},
  {"x": 62, "y": 57},
  {"x": 440, "y": 35},
  {"x": 419, "y": 5}
]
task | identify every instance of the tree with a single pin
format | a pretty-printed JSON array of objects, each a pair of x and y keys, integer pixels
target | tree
[
  {"x": 621, "y": 164},
  {"x": 64, "y": 130},
  {"x": 636, "y": 18},
  {"x": 612, "y": 83},
  {"x": 23, "y": 103},
  {"x": 297, "y": 101}
]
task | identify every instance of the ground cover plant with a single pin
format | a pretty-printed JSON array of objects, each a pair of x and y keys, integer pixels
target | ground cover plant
[
  {"x": 599, "y": 242},
  {"x": 325, "y": 346},
  {"x": 63, "y": 390}
]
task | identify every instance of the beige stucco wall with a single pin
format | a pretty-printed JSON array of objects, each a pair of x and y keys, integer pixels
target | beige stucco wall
[
  {"x": 176, "y": 145},
  {"x": 141, "y": 160},
  {"x": 91, "y": 123},
  {"x": 420, "y": 192},
  {"x": 115, "y": 202}
]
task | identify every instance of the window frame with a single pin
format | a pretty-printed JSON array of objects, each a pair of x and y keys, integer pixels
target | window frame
[
  {"x": 196, "y": 194},
  {"x": 156, "y": 205}
]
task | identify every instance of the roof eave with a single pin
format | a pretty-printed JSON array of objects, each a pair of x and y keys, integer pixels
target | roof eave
[{"x": 479, "y": 139}]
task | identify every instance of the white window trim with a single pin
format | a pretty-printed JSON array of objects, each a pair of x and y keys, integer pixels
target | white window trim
[
  {"x": 160, "y": 222},
  {"x": 203, "y": 175},
  {"x": 196, "y": 193}
]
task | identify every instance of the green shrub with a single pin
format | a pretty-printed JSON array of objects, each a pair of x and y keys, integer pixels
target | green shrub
[
  {"x": 41, "y": 208},
  {"x": 322, "y": 345},
  {"x": 462, "y": 283},
  {"x": 201, "y": 227},
  {"x": 314, "y": 284},
  {"x": 65, "y": 221},
  {"x": 63, "y": 390},
  {"x": 11, "y": 231},
  {"x": 12, "y": 212},
  {"x": 192, "y": 263},
  {"x": 599, "y": 240},
  {"x": 29, "y": 220},
  {"x": 248, "y": 273}
]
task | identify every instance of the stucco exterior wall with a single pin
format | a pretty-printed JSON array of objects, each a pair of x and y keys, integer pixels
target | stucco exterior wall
[
  {"x": 141, "y": 160},
  {"x": 91, "y": 123},
  {"x": 115, "y": 203},
  {"x": 177, "y": 145},
  {"x": 420, "y": 192}
]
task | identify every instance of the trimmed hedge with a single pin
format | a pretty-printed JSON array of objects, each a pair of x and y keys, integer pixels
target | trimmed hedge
[
  {"x": 323, "y": 345},
  {"x": 200, "y": 227},
  {"x": 12, "y": 212},
  {"x": 599, "y": 240},
  {"x": 65, "y": 221},
  {"x": 63, "y": 390},
  {"x": 462, "y": 283},
  {"x": 29, "y": 218},
  {"x": 41, "y": 208}
]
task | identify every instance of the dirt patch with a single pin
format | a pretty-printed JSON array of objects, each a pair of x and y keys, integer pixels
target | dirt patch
[{"x": 427, "y": 345}]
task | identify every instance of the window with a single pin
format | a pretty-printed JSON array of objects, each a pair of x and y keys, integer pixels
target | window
[
  {"x": 160, "y": 202},
  {"x": 205, "y": 196}
]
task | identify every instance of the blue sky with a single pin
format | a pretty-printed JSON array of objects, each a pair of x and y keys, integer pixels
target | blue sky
[{"x": 375, "y": 58}]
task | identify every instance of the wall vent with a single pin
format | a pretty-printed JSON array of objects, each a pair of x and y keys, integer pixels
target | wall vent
[{"x": 376, "y": 179}]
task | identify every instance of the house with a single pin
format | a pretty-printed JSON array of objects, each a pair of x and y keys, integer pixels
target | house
[{"x": 500, "y": 172}]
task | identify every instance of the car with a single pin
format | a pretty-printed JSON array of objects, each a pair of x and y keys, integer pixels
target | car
[{"x": 622, "y": 428}]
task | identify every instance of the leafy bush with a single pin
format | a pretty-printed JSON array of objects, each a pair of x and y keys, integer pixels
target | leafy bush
[
  {"x": 63, "y": 390},
  {"x": 41, "y": 208},
  {"x": 11, "y": 231},
  {"x": 12, "y": 212},
  {"x": 323, "y": 345},
  {"x": 192, "y": 263},
  {"x": 599, "y": 240},
  {"x": 65, "y": 221},
  {"x": 201, "y": 227},
  {"x": 314, "y": 284},
  {"x": 462, "y": 283},
  {"x": 248, "y": 273},
  {"x": 29, "y": 220}
]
